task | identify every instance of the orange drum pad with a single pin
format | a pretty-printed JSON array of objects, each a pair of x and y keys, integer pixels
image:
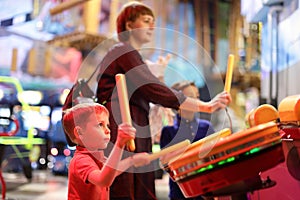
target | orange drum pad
[
  {"x": 289, "y": 109},
  {"x": 262, "y": 114},
  {"x": 237, "y": 157}
]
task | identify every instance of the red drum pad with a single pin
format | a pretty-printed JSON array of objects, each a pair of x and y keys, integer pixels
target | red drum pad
[
  {"x": 214, "y": 181},
  {"x": 236, "y": 158}
]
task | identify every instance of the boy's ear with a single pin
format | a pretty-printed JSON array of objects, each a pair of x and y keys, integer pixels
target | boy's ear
[{"x": 77, "y": 131}]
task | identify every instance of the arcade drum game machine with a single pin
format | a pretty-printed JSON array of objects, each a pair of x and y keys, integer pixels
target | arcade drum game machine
[{"x": 261, "y": 162}]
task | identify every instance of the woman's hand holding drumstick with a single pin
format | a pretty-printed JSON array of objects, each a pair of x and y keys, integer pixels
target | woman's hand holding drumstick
[{"x": 220, "y": 101}]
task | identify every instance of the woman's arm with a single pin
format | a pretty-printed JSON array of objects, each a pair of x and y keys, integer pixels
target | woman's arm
[
  {"x": 218, "y": 102},
  {"x": 139, "y": 76}
]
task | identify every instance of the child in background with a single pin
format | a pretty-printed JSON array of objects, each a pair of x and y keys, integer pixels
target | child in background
[
  {"x": 186, "y": 126},
  {"x": 90, "y": 172}
]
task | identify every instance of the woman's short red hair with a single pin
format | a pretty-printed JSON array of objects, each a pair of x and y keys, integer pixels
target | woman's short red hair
[{"x": 130, "y": 12}]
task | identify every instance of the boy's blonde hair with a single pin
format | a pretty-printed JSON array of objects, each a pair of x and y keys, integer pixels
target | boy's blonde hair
[
  {"x": 77, "y": 116},
  {"x": 179, "y": 86}
]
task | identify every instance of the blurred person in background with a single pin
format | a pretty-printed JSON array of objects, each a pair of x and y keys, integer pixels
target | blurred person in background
[{"x": 186, "y": 126}]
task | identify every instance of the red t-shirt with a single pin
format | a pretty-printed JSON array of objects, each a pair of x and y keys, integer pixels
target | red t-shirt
[{"x": 81, "y": 165}]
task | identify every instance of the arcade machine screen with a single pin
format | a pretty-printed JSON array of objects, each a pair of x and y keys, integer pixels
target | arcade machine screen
[
  {"x": 4, "y": 123},
  {"x": 5, "y": 112},
  {"x": 56, "y": 115},
  {"x": 37, "y": 117}
]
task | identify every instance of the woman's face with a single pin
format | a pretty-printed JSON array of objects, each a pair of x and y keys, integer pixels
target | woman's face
[{"x": 141, "y": 30}]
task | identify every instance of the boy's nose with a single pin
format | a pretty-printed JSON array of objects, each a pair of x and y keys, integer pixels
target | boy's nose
[{"x": 107, "y": 131}]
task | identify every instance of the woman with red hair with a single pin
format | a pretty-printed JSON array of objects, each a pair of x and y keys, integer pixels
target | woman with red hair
[{"x": 135, "y": 27}]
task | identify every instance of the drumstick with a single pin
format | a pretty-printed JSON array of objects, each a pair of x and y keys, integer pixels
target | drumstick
[
  {"x": 213, "y": 137},
  {"x": 220, "y": 134},
  {"x": 169, "y": 149},
  {"x": 65, "y": 5},
  {"x": 229, "y": 72},
  {"x": 124, "y": 105}
]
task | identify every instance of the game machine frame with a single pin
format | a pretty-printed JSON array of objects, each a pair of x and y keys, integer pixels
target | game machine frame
[
  {"x": 10, "y": 139},
  {"x": 286, "y": 174}
]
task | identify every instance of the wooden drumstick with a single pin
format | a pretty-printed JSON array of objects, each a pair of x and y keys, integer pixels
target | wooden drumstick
[
  {"x": 213, "y": 137},
  {"x": 175, "y": 147},
  {"x": 229, "y": 72},
  {"x": 65, "y": 5},
  {"x": 124, "y": 104}
]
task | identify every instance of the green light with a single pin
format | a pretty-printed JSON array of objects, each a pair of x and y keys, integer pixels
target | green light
[
  {"x": 14, "y": 140},
  {"x": 210, "y": 166},
  {"x": 205, "y": 168},
  {"x": 231, "y": 159},
  {"x": 254, "y": 150},
  {"x": 221, "y": 162},
  {"x": 201, "y": 169}
]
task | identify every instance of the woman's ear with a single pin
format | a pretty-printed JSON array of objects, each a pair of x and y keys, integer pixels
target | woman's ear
[{"x": 129, "y": 26}]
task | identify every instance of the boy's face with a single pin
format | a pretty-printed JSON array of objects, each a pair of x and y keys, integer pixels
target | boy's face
[
  {"x": 191, "y": 91},
  {"x": 96, "y": 134}
]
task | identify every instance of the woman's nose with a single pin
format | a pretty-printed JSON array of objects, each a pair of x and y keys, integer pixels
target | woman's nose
[{"x": 152, "y": 25}]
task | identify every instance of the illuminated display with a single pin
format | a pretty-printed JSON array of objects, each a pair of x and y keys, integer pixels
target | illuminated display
[
  {"x": 31, "y": 97},
  {"x": 38, "y": 117},
  {"x": 5, "y": 112},
  {"x": 214, "y": 161},
  {"x": 56, "y": 115}
]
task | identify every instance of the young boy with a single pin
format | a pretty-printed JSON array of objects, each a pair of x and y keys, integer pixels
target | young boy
[{"x": 90, "y": 172}]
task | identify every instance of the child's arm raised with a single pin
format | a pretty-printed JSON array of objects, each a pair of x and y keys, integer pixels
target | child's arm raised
[{"x": 107, "y": 174}]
